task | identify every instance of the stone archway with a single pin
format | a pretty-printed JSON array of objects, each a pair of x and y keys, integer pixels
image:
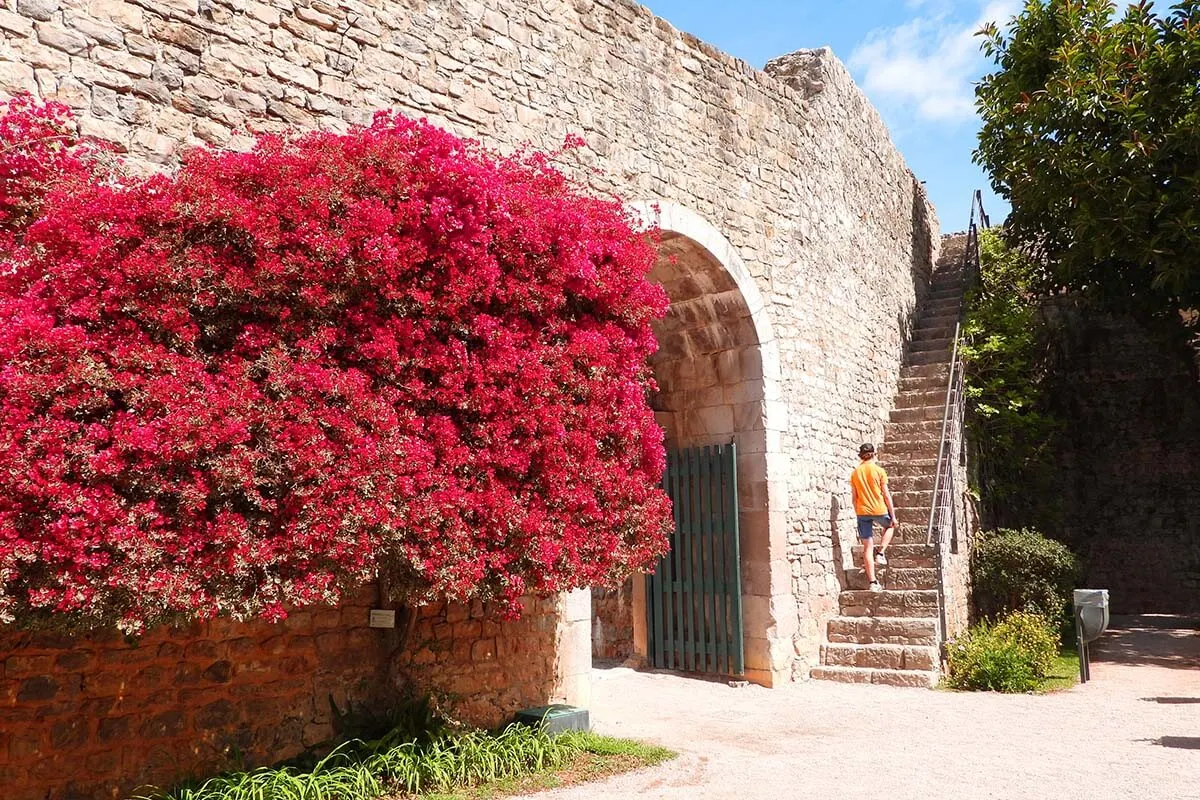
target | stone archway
[{"x": 718, "y": 374}]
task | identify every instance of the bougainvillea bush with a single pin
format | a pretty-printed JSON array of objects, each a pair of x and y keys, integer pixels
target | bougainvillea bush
[{"x": 273, "y": 375}]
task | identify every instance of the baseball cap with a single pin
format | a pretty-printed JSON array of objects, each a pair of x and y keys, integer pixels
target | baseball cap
[{"x": 866, "y": 448}]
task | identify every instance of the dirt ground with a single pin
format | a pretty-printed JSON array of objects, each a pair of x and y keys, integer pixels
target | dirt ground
[{"x": 1132, "y": 732}]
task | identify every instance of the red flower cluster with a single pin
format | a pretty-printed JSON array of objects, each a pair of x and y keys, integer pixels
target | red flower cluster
[{"x": 274, "y": 375}]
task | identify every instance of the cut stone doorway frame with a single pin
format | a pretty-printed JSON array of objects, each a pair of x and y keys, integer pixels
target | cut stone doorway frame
[{"x": 719, "y": 323}]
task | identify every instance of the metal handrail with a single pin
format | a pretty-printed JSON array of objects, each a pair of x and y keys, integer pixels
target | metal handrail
[
  {"x": 937, "y": 475},
  {"x": 970, "y": 265}
]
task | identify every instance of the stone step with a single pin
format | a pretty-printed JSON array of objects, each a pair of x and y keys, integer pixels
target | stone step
[
  {"x": 923, "y": 383},
  {"x": 905, "y": 556},
  {"x": 916, "y": 469},
  {"x": 888, "y": 603},
  {"x": 893, "y": 577},
  {"x": 942, "y": 309},
  {"x": 925, "y": 371},
  {"x": 946, "y": 286},
  {"x": 925, "y": 429},
  {"x": 946, "y": 296},
  {"x": 942, "y": 305},
  {"x": 880, "y": 656},
  {"x": 927, "y": 357},
  {"x": 942, "y": 345},
  {"x": 901, "y": 483},
  {"x": 912, "y": 498},
  {"x": 924, "y": 333},
  {"x": 914, "y": 531},
  {"x": 882, "y": 630},
  {"x": 888, "y": 677},
  {"x": 923, "y": 414},
  {"x": 931, "y": 397},
  {"x": 912, "y": 517},
  {"x": 938, "y": 321},
  {"x": 911, "y": 465},
  {"x": 901, "y": 448}
]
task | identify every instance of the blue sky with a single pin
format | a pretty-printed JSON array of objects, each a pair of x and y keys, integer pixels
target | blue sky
[{"x": 916, "y": 59}]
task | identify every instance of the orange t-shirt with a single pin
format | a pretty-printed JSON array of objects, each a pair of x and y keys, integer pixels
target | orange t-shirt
[{"x": 868, "y": 481}]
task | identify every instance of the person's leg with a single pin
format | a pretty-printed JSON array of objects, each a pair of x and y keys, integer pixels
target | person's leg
[
  {"x": 887, "y": 536},
  {"x": 866, "y": 537}
]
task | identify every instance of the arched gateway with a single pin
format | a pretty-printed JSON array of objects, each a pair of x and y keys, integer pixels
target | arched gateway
[{"x": 717, "y": 370}]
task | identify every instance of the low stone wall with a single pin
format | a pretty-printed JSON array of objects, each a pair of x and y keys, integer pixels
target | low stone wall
[
  {"x": 956, "y": 561},
  {"x": 96, "y": 715}
]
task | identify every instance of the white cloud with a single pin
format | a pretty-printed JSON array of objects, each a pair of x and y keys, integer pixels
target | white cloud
[{"x": 926, "y": 66}]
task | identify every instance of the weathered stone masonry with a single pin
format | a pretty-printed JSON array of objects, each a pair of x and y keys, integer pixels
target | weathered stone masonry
[{"x": 784, "y": 184}]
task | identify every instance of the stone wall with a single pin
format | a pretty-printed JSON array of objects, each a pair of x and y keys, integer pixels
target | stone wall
[
  {"x": 843, "y": 320},
  {"x": 791, "y": 167},
  {"x": 94, "y": 716},
  {"x": 1127, "y": 467},
  {"x": 612, "y": 623}
]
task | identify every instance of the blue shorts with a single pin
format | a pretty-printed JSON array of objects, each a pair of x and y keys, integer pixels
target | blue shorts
[{"x": 866, "y": 525}]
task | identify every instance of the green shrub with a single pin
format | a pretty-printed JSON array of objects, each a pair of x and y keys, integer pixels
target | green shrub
[
  {"x": 1034, "y": 635},
  {"x": 981, "y": 661},
  {"x": 1011, "y": 656},
  {"x": 1021, "y": 570}
]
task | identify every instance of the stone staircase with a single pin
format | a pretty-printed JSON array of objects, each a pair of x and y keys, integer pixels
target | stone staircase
[{"x": 892, "y": 637}]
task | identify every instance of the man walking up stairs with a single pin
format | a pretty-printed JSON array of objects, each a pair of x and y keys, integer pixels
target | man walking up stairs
[{"x": 892, "y": 636}]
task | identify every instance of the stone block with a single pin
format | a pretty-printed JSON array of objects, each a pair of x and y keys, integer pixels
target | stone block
[
  {"x": 15, "y": 24},
  {"x": 179, "y": 34},
  {"x": 60, "y": 38},
  {"x": 102, "y": 32},
  {"x": 920, "y": 658},
  {"x": 42, "y": 10},
  {"x": 122, "y": 62},
  {"x": 94, "y": 74},
  {"x": 292, "y": 73},
  {"x": 112, "y": 132}
]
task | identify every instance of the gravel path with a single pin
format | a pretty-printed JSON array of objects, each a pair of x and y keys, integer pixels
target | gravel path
[{"x": 1132, "y": 732}]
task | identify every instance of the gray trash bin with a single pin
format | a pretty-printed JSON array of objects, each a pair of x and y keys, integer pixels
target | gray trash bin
[{"x": 1091, "y": 620}]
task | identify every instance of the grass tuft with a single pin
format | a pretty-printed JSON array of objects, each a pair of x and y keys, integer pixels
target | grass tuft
[
  {"x": 1063, "y": 673},
  {"x": 443, "y": 766}
]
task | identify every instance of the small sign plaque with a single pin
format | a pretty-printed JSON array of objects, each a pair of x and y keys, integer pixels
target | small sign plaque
[{"x": 383, "y": 618}]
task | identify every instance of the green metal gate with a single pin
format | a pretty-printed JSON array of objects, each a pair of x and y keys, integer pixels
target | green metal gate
[{"x": 694, "y": 597}]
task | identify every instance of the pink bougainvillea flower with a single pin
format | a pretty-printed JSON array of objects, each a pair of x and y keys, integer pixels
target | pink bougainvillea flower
[{"x": 270, "y": 376}]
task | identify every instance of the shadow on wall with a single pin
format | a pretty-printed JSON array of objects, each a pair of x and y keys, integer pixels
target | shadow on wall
[
  {"x": 839, "y": 563},
  {"x": 922, "y": 233},
  {"x": 922, "y": 248}
]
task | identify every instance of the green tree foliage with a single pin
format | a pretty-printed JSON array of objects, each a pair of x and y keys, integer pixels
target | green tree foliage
[
  {"x": 1092, "y": 131},
  {"x": 1022, "y": 570},
  {"x": 1006, "y": 351}
]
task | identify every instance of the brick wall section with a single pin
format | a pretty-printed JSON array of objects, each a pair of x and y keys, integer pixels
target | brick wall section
[
  {"x": 94, "y": 716},
  {"x": 792, "y": 165},
  {"x": 1128, "y": 467}
]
